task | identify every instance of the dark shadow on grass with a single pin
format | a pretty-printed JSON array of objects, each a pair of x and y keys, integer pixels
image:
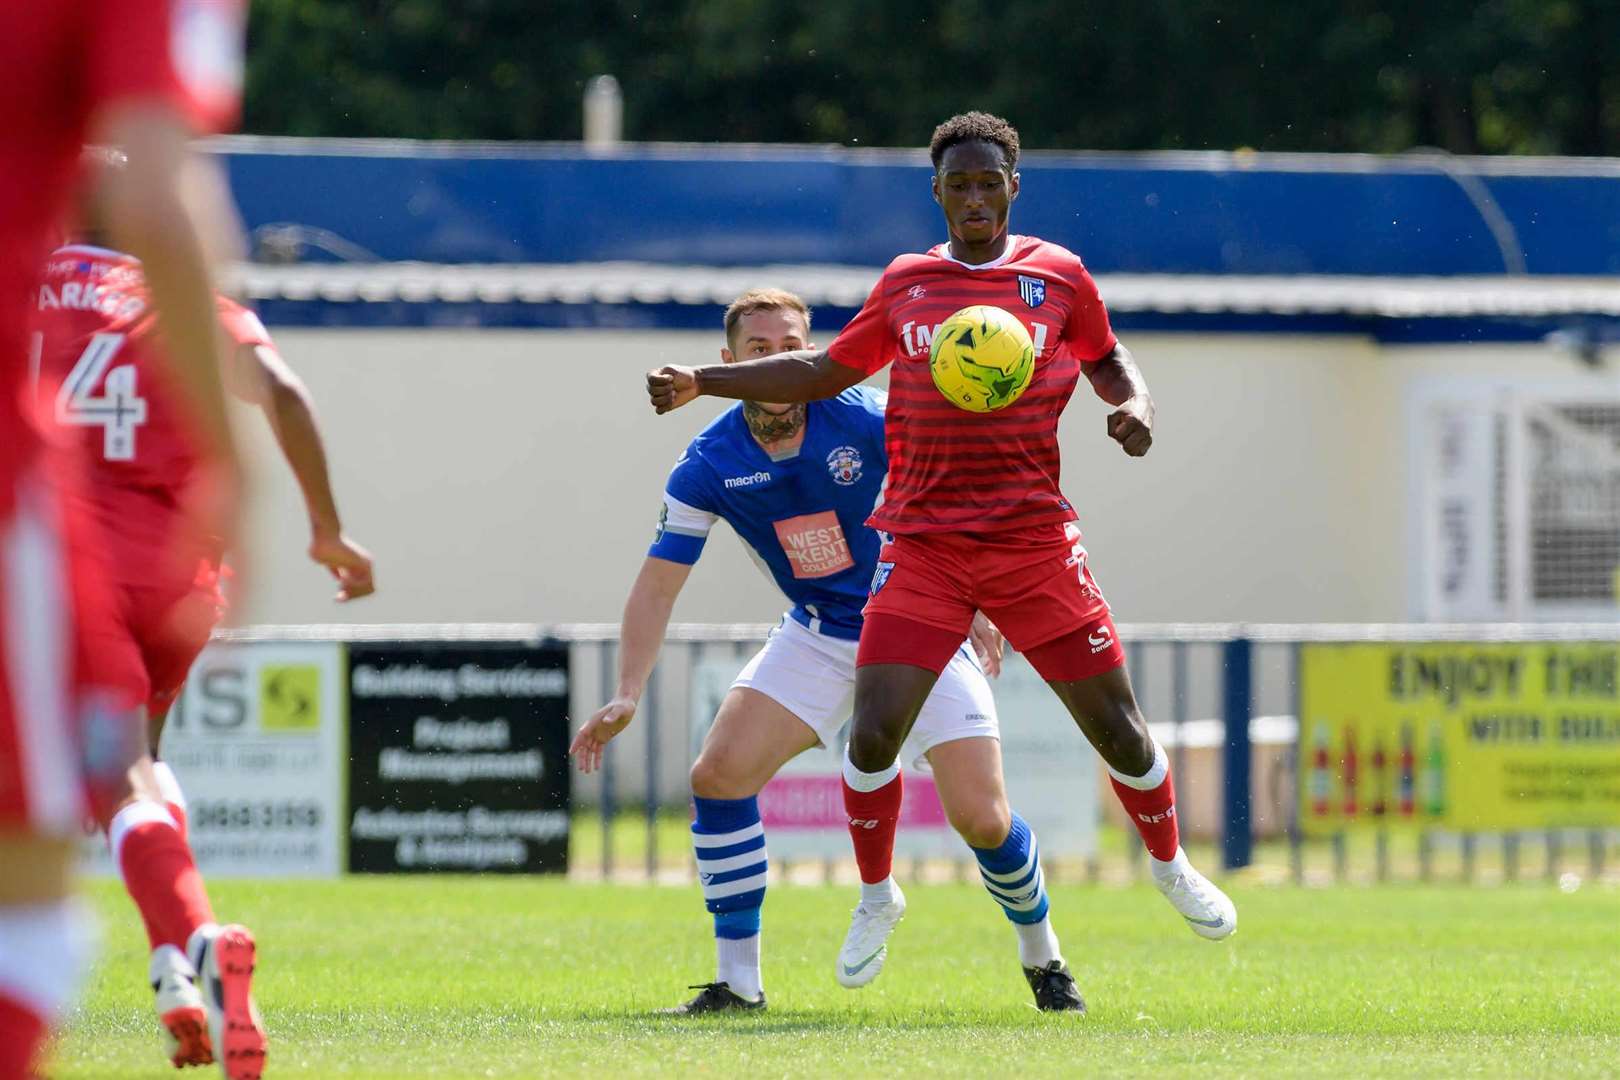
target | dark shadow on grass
[{"x": 800, "y": 1021}]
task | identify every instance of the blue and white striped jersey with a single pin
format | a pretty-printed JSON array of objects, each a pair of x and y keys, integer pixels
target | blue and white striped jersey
[{"x": 803, "y": 517}]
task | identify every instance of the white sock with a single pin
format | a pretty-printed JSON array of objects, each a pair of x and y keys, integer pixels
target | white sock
[
  {"x": 737, "y": 961},
  {"x": 139, "y": 812},
  {"x": 867, "y": 781},
  {"x": 1150, "y": 779},
  {"x": 1037, "y": 943},
  {"x": 1178, "y": 865},
  {"x": 884, "y": 892},
  {"x": 167, "y": 959},
  {"x": 199, "y": 938},
  {"x": 168, "y": 784}
]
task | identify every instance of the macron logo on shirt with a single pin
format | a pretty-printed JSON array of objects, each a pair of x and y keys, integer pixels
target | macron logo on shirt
[{"x": 747, "y": 481}]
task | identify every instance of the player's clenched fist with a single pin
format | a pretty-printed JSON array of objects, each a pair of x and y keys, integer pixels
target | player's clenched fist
[
  {"x": 1131, "y": 425},
  {"x": 671, "y": 386}
]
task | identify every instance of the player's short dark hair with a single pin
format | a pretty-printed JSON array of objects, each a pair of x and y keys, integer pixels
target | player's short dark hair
[
  {"x": 974, "y": 127},
  {"x": 764, "y": 300}
]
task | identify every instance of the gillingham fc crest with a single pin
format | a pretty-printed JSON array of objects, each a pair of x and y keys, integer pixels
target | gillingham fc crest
[
  {"x": 1032, "y": 289},
  {"x": 844, "y": 464}
]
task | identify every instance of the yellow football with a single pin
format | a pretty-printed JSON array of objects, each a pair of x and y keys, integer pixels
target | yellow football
[{"x": 982, "y": 358}]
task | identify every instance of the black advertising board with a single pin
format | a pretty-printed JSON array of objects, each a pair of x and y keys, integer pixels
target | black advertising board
[{"x": 458, "y": 758}]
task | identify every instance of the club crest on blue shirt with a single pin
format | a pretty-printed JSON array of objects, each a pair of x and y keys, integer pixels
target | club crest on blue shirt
[
  {"x": 844, "y": 463},
  {"x": 1032, "y": 289}
]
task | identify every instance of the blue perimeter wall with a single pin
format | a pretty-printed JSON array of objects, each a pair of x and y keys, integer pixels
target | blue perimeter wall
[{"x": 1141, "y": 213}]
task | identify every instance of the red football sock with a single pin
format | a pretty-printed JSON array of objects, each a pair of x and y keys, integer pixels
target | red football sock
[
  {"x": 22, "y": 1035},
  {"x": 873, "y": 817},
  {"x": 1154, "y": 812},
  {"x": 159, "y": 874}
]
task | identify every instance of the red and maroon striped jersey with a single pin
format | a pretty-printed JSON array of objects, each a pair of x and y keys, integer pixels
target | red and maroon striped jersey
[
  {"x": 950, "y": 469},
  {"x": 105, "y": 384},
  {"x": 103, "y": 376}
]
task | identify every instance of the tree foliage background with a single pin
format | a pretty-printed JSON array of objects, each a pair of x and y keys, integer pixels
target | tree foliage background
[{"x": 1487, "y": 76}]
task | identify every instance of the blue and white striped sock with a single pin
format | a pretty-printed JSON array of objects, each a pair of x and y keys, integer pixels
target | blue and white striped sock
[
  {"x": 1012, "y": 874},
  {"x": 729, "y": 841}
]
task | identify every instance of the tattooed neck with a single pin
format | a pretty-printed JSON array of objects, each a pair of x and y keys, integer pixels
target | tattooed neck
[{"x": 773, "y": 427}]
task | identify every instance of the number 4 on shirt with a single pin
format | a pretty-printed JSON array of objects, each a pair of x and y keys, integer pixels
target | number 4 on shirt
[{"x": 117, "y": 411}]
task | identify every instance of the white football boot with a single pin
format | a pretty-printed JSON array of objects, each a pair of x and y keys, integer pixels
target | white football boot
[
  {"x": 224, "y": 959},
  {"x": 1209, "y": 912},
  {"x": 866, "y": 947},
  {"x": 180, "y": 1008}
]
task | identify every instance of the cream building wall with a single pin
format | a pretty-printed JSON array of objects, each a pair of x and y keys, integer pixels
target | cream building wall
[{"x": 514, "y": 476}]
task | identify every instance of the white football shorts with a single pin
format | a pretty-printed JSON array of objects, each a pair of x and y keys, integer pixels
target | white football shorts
[{"x": 813, "y": 677}]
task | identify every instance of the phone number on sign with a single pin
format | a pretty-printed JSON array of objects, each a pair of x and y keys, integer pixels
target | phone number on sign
[{"x": 230, "y": 814}]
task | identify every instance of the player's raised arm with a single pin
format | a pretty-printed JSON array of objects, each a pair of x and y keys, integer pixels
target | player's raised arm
[
  {"x": 641, "y": 636},
  {"x": 261, "y": 377},
  {"x": 808, "y": 374},
  {"x": 802, "y": 375},
  {"x": 1118, "y": 381}
]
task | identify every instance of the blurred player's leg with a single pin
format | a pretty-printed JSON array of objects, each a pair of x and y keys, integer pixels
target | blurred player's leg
[
  {"x": 174, "y": 797},
  {"x": 753, "y": 736},
  {"x": 44, "y": 949},
  {"x": 162, "y": 631},
  {"x": 213, "y": 1021},
  {"x": 47, "y": 781},
  {"x": 1105, "y": 708},
  {"x": 162, "y": 879},
  {"x": 157, "y": 712},
  {"x": 224, "y": 958},
  {"x": 23, "y": 1029}
]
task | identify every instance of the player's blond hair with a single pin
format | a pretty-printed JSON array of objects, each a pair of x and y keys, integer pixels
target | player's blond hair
[{"x": 763, "y": 300}]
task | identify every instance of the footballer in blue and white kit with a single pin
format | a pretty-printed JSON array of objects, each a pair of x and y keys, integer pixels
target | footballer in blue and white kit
[
  {"x": 803, "y": 520},
  {"x": 797, "y": 483}
]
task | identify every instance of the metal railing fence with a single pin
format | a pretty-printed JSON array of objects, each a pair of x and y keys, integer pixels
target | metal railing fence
[{"x": 1232, "y": 687}]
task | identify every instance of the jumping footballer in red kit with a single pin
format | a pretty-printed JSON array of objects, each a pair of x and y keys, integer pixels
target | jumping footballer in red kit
[
  {"x": 146, "y": 75},
  {"x": 973, "y": 507},
  {"x": 106, "y": 379}
]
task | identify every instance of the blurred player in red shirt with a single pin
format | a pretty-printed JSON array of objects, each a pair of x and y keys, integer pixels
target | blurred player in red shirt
[
  {"x": 144, "y": 75},
  {"x": 104, "y": 381},
  {"x": 973, "y": 505}
]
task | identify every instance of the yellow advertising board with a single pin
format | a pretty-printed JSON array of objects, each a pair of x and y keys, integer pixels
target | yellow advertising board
[{"x": 1459, "y": 736}]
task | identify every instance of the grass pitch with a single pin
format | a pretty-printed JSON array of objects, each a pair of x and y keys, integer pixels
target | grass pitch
[{"x": 469, "y": 977}]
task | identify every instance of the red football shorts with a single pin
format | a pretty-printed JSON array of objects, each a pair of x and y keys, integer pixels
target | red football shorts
[
  {"x": 156, "y": 635},
  {"x": 1033, "y": 583}
]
